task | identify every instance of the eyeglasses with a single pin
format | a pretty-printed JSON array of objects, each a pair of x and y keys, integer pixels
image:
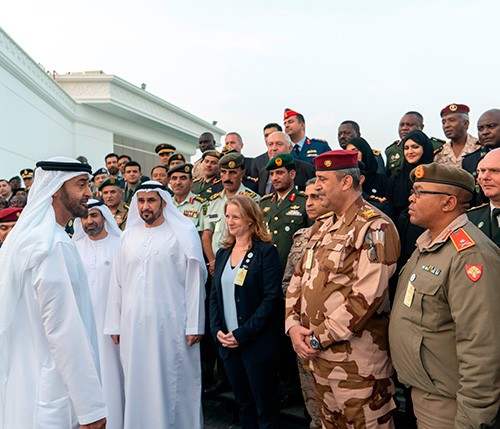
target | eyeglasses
[{"x": 418, "y": 192}]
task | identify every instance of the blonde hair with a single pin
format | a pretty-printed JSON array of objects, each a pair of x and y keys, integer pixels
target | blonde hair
[{"x": 251, "y": 212}]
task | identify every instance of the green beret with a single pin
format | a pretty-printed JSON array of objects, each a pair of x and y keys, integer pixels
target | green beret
[
  {"x": 181, "y": 168},
  {"x": 281, "y": 160},
  {"x": 232, "y": 160},
  {"x": 164, "y": 148},
  {"x": 111, "y": 182},
  {"x": 211, "y": 152},
  {"x": 176, "y": 157},
  {"x": 443, "y": 174}
]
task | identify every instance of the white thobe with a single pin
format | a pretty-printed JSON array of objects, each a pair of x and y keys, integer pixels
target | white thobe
[
  {"x": 53, "y": 379},
  {"x": 97, "y": 257},
  {"x": 156, "y": 298}
]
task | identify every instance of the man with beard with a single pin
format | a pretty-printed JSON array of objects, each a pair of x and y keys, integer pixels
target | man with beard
[
  {"x": 156, "y": 313},
  {"x": 111, "y": 164},
  {"x": 189, "y": 204},
  {"x": 455, "y": 121},
  {"x": 206, "y": 142},
  {"x": 49, "y": 366},
  {"x": 96, "y": 239},
  {"x": 123, "y": 160},
  {"x": 213, "y": 223},
  {"x": 411, "y": 121}
]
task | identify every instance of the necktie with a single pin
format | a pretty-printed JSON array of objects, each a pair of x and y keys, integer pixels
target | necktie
[
  {"x": 494, "y": 222},
  {"x": 297, "y": 149}
]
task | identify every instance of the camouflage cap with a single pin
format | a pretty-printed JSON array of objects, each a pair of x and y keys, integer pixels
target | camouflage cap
[
  {"x": 211, "y": 152},
  {"x": 282, "y": 160},
  {"x": 443, "y": 174},
  {"x": 176, "y": 157},
  {"x": 181, "y": 168},
  {"x": 111, "y": 182},
  {"x": 164, "y": 148},
  {"x": 232, "y": 160}
]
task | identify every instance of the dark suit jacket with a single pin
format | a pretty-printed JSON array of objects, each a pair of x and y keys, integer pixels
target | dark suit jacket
[
  {"x": 481, "y": 217},
  {"x": 258, "y": 164},
  {"x": 258, "y": 304},
  {"x": 305, "y": 171}
]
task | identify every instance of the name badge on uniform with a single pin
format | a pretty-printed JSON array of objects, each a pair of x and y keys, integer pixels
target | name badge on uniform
[
  {"x": 309, "y": 259},
  {"x": 240, "y": 277},
  {"x": 410, "y": 292}
]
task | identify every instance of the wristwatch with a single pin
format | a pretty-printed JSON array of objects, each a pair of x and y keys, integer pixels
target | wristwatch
[{"x": 315, "y": 344}]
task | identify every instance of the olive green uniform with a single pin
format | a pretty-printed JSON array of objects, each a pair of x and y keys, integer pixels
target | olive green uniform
[
  {"x": 192, "y": 208},
  {"x": 283, "y": 219},
  {"x": 121, "y": 215},
  {"x": 443, "y": 333},
  {"x": 204, "y": 188}
]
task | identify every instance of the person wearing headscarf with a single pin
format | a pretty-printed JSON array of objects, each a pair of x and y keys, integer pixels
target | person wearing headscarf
[
  {"x": 96, "y": 237},
  {"x": 156, "y": 312},
  {"x": 49, "y": 362},
  {"x": 375, "y": 183}
]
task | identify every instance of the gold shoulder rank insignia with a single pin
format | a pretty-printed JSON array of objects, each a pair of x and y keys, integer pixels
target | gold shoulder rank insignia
[
  {"x": 200, "y": 199},
  {"x": 369, "y": 213},
  {"x": 198, "y": 179},
  {"x": 266, "y": 209},
  {"x": 461, "y": 240},
  {"x": 250, "y": 193},
  {"x": 127, "y": 206},
  {"x": 215, "y": 196},
  {"x": 266, "y": 196},
  {"x": 376, "y": 152},
  {"x": 438, "y": 149},
  {"x": 478, "y": 207}
]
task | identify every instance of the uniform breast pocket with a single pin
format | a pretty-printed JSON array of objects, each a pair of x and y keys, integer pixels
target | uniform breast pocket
[
  {"x": 427, "y": 306},
  {"x": 334, "y": 258}
]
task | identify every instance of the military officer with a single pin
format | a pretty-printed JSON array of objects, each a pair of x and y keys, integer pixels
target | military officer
[
  {"x": 443, "y": 332},
  {"x": 285, "y": 210},
  {"x": 189, "y": 204},
  {"x": 248, "y": 181},
  {"x": 304, "y": 148},
  {"x": 112, "y": 195},
  {"x": 205, "y": 142},
  {"x": 176, "y": 159},
  {"x": 8, "y": 219},
  {"x": 165, "y": 151},
  {"x": 213, "y": 222},
  {"x": 27, "y": 176},
  {"x": 337, "y": 302},
  {"x": 486, "y": 216},
  {"x": 411, "y": 121},
  {"x": 210, "y": 183}
]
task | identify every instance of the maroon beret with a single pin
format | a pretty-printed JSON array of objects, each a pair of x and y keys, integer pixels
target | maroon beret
[
  {"x": 10, "y": 214},
  {"x": 336, "y": 160},
  {"x": 455, "y": 108}
]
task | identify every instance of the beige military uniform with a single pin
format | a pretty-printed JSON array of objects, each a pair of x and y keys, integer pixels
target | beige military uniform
[
  {"x": 339, "y": 290},
  {"x": 215, "y": 220},
  {"x": 192, "y": 208},
  {"x": 198, "y": 169},
  {"x": 444, "y": 330},
  {"x": 447, "y": 156},
  {"x": 121, "y": 215}
]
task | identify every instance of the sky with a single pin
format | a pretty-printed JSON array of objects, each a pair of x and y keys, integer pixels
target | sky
[{"x": 241, "y": 63}]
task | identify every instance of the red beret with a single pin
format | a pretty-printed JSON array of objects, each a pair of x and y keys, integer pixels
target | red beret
[
  {"x": 10, "y": 214},
  {"x": 289, "y": 113},
  {"x": 455, "y": 108},
  {"x": 336, "y": 160}
]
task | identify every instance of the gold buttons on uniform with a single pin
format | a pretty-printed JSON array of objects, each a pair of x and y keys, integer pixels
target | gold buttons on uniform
[
  {"x": 276, "y": 218},
  {"x": 292, "y": 221},
  {"x": 275, "y": 232}
]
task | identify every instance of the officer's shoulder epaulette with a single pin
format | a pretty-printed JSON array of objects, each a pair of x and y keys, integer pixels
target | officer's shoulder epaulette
[
  {"x": 215, "y": 196},
  {"x": 250, "y": 193},
  {"x": 253, "y": 179},
  {"x": 265, "y": 197},
  {"x": 368, "y": 213},
  {"x": 438, "y": 149},
  {"x": 461, "y": 240},
  {"x": 200, "y": 199},
  {"x": 301, "y": 194},
  {"x": 379, "y": 199},
  {"x": 478, "y": 207},
  {"x": 198, "y": 180},
  {"x": 376, "y": 152},
  {"x": 435, "y": 139},
  {"x": 396, "y": 143},
  {"x": 127, "y": 206},
  {"x": 318, "y": 140}
]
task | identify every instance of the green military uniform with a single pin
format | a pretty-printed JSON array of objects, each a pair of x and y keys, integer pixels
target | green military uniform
[
  {"x": 121, "y": 215},
  {"x": 481, "y": 217},
  {"x": 192, "y": 208},
  {"x": 395, "y": 156},
  {"x": 207, "y": 188},
  {"x": 213, "y": 218}
]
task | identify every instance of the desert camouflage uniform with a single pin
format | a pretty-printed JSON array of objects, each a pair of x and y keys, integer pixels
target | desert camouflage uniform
[
  {"x": 342, "y": 295},
  {"x": 447, "y": 156}
]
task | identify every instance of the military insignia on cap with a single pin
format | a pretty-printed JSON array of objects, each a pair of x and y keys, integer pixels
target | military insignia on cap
[
  {"x": 419, "y": 172},
  {"x": 328, "y": 163},
  {"x": 217, "y": 153},
  {"x": 453, "y": 107},
  {"x": 112, "y": 180},
  {"x": 186, "y": 169},
  {"x": 231, "y": 164},
  {"x": 279, "y": 162},
  {"x": 179, "y": 156},
  {"x": 474, "y": 272},
  {"x": 18, "y": 214}
]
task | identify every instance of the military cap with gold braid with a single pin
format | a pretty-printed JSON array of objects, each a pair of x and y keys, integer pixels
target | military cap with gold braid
[
  {"x": 282, "y": 160},
  {"x": 164, "y": 148},
  {"x": 443, "y": 174},
  {"x": 111, "y": 182},
  {"x": 232, "y": 160},
  {"x": 211, "y": 152},
  {"x": 181, "y": 168},
  {"x": 176, "y": 157},
  {"x": 27, "y": 173}
]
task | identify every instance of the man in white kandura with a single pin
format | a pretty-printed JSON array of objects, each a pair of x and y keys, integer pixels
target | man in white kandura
[
  {"x": 96, "y": 237},
  {"x": 156, "y": 312},
  {"x": 49, "y": 362}
]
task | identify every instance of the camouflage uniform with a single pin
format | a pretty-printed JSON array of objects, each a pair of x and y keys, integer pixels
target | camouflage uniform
[
  {"x": 447, "y": 156},
  {"x": 339, "y": 290}
]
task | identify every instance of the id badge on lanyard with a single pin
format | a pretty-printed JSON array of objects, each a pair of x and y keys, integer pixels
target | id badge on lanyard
[{"x": 242, "y": 271}]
